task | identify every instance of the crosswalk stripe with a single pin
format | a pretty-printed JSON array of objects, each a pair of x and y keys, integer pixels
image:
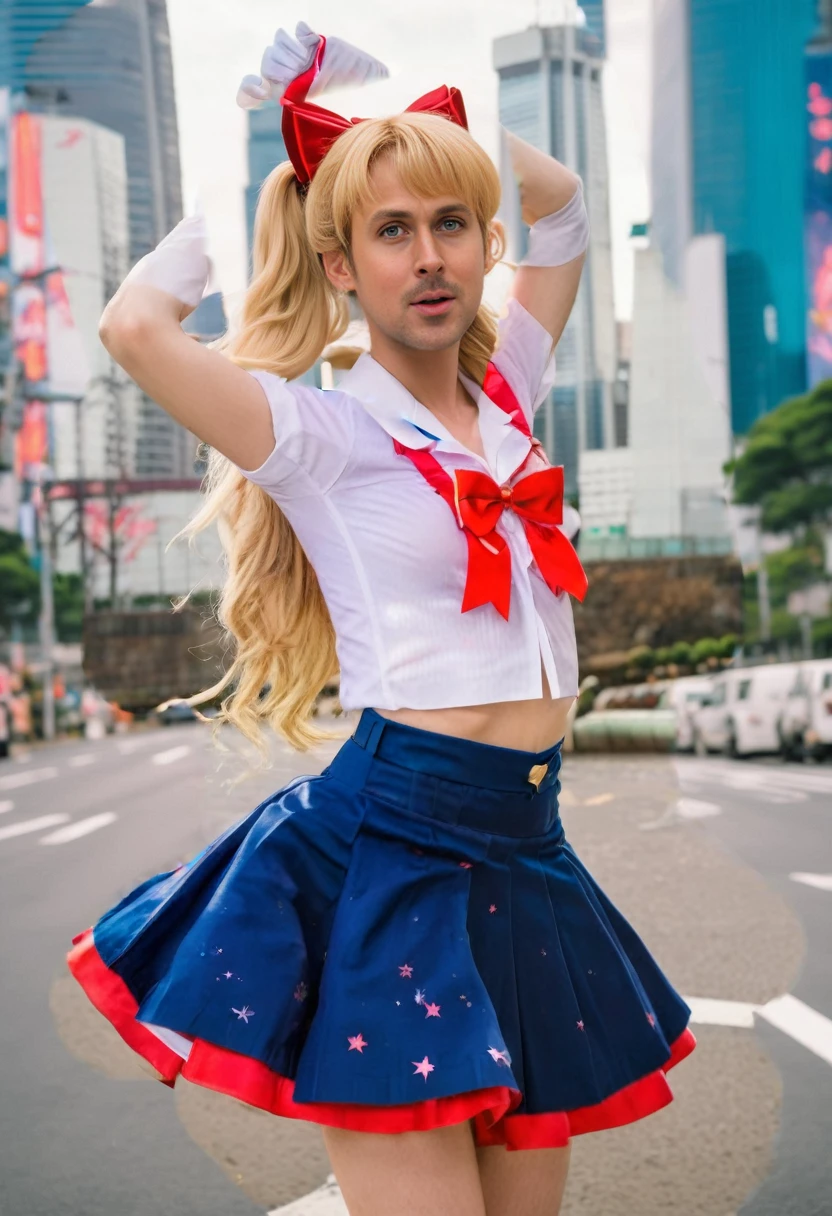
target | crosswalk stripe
[
  {"x": 174, "y": 753},
  {"x": 81, "y": 761},
  {"x": 82, "y": 827},
  {"x": 32, "y": 825},
  {"x": 15, "y": 781},
  {"x": 6, "y": 804},
  {"x": 801, "y": 1022},
  {"x": 823, "y": 882},
  {"x": 709, "y": 1012}
]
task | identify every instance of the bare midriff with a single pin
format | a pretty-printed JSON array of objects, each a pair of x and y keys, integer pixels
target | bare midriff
[{"x": 530, "y": 726}]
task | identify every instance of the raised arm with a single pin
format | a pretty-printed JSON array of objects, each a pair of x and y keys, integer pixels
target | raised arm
[
  {"x": 551, "y": 200},
  {"x": 204, "y": 391}
]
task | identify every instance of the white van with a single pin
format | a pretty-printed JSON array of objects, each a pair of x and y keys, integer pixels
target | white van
[
  {"x": 805, "y": 725},
  {"x": 741, "y": 714},
  {"x": 684, "y": 696}
]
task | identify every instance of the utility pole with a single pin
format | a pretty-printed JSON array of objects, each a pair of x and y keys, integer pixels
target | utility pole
[{"x": 47, "y": 609}]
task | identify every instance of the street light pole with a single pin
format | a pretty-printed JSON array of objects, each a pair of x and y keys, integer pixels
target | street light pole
[{"x": 47, "y": 613}]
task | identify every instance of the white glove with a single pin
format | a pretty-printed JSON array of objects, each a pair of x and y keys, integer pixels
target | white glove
[
  {"x": 179, "y": 265},
  {"x": 560, "y": 237},
  {"x": 288, "y": 57}
]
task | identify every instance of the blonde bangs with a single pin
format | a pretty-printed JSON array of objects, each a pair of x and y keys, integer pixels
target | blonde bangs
[{"x": 432, "y": 156}]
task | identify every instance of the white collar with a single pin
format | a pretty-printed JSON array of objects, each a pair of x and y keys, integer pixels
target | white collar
[{"x": 404, "y": 418}]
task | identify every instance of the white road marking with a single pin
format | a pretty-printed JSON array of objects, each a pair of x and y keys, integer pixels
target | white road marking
[
  {"x": 82, "y": 761},
  {"x": 802, "y": 1023},
  {"x": 773, "y": 779},
  {"x": 174, "y": 753},
  {"x": 32, "y": 825},
  {"x": 325, "y": 1201},
  {"x": 127, "y": 746},
  {"x": 692, "y": 808},
  {"x": 823, "y": 882},
  {"x": 708, "y": 1012},
  {"x": 82, "y": 827},
  {"x": 599, "y": 799},
  {"x": 6, "y": 804},
  {"x": 14, "y": 781}
]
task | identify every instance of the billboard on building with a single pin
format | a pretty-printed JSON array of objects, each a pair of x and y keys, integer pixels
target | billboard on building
[{"x": 818, "y": 216}]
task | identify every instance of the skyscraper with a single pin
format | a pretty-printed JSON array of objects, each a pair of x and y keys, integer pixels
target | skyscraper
[
  {"x": 550, "y": 95},
  {"x": 265, "y": 150},
  {"x": 728, "y": 158},
  {"x": 111, "y": 62}
]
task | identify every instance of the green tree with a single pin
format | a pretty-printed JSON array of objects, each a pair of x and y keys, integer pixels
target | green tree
[
  {"x": 19, "y": 583},
  {"x": 786, "y": 467}
]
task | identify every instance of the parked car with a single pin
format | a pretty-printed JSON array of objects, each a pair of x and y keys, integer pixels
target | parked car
[
  {"x": 5, "y": 727},
  {"x": 685, "y": 695},
  {"x": 805, "y": 723},
  {"x": 178, "y": 710},
  {"x": 739, "y": 716},
  {"x": 637, "y": 717}
]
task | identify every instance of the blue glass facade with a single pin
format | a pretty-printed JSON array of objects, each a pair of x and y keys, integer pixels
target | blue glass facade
[
  {"x": 21, "y": 25},
  {"x": 595, "y": 25},
  {"x": 747, "y": 151},
  {"x": 265, "y": 150}
]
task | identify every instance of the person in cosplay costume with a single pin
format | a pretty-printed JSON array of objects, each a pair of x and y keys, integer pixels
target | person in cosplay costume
[{"x": 403, "y": 948}]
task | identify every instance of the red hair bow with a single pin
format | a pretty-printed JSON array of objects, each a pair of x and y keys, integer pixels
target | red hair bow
[{"x": 309, "y": 130}]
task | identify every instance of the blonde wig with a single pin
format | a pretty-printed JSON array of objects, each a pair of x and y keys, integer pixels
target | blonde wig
[{"x": 271, "y": 606}]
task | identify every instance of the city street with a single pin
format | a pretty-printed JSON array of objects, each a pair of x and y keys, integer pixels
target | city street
[{"x": 724, "y": 868}]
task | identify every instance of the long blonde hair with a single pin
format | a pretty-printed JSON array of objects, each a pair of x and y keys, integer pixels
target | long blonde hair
[{"x": 271, "y": 606}]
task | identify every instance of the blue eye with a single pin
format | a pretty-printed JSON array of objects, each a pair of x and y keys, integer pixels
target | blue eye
[
  {"x": 389, "y": 228},
  {"x": 451, "y": 220}
]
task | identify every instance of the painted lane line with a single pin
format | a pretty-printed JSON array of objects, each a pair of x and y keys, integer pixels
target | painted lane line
[
  {"x": 802, "y": 1023},
  {"x": 174, "y": 753},
  {"x": 6, "y": 804},
  {"x": 599, "y": 799},
  {"x": 83, "y": 827},
  {"x": 325, "y": 1201},
  {"x": 32, "y": 825},
  {"x": 127, "y": 746},
  {"x": 82, "y": 761},
  {"x": 708, "y": 1012},
  {"x": 693, "y": 808},
  {"x": 15, "y": 781},
  {"x": 823, "y": 882}
]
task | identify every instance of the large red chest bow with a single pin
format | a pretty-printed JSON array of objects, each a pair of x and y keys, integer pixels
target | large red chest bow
[
  {"x": 308, "y": 130},
  {"x": 537, "y": 499},
  {"x": 478, "y": 503}
]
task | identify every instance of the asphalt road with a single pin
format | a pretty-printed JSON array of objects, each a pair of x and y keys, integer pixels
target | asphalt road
[{"x": 697, "y": 853}]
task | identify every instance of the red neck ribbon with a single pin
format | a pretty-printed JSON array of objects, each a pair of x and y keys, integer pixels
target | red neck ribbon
[
  {"x": 309, "y": 130},
  {"x": 478, "y": 502}
]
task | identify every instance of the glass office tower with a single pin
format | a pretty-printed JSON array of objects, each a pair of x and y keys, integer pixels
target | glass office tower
[
  {"x": 265, "y": 150},
  {"x": 550, "y": 95},
  {"x": 728, "y": 157}
]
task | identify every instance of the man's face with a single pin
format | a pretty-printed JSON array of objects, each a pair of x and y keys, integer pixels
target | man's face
[{"x": 417, "y": 265}]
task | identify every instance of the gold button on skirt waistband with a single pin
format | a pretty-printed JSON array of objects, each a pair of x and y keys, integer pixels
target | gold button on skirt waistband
[{"x": 536, "y": 774}]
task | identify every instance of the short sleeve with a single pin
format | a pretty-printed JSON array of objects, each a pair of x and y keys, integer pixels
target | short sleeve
[
  {"x": 313, "y": 431},
  {"x": 525, "y": 355}
]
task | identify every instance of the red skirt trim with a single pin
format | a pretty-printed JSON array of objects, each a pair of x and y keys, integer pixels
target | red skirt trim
[{"x": 253, "y": 1082}]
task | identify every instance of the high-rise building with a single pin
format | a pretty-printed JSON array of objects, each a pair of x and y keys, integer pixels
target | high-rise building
[
  {"x": 265, "y": 150},
  {"x": 550, "y": 95},
  {"x": 110, "y": 61},
  {"x": 728, "y": 157}
]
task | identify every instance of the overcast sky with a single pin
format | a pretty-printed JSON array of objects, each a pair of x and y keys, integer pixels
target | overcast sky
[{"x": 215, "y": 42}]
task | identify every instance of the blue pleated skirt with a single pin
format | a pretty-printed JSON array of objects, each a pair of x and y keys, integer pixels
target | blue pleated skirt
[{"x": 403, "y": 941}]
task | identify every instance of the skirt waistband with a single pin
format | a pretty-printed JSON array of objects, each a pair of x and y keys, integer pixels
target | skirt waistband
[{"x": 480, "y": 786}]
